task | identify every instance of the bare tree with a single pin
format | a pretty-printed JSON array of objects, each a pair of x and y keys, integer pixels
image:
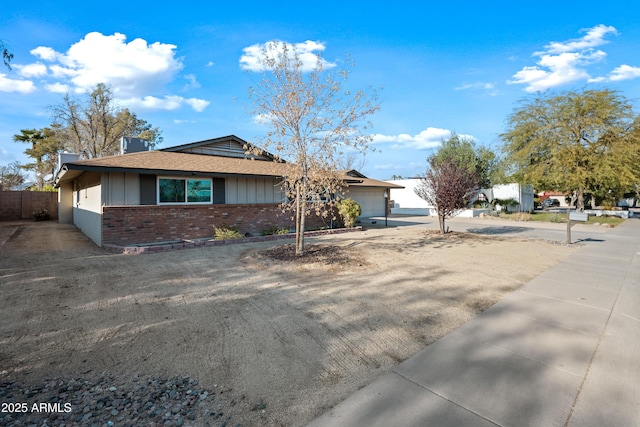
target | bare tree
[
  {"x": 94, "y": 128},
  {"x": 351, "y": 161},
  {"x": 313, "y": 120},
  {"x": 11, "y": 176},
  {"x": 447, "y": 185}
]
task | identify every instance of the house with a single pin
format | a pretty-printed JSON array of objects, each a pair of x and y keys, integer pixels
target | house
[
  {"x": 522, "y": 194},
  {"x": 405, "y": 201},
  {"x": 180, "y": 192},
  {"x": 556, "y": 195}
]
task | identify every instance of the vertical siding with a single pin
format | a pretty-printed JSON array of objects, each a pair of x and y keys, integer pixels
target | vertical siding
[
  {"x": 242, "y": 191},
  {"x": 121, "y": 188}
]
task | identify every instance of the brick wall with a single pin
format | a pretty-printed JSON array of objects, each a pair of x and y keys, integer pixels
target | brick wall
[
  {"x": 16, "y": 205},
  {"x": 126, "y": 225}
]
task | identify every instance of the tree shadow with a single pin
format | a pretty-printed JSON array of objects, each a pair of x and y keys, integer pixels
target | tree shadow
[
  {"x": 497, "y": 230},
  {"x": 311, "y": 334}
]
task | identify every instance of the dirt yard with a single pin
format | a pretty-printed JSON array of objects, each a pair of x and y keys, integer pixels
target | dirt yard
[{"x": 285, "y": 341}]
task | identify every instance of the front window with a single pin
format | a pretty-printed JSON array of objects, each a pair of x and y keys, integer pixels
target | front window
[{"x": 181, "y": 190}]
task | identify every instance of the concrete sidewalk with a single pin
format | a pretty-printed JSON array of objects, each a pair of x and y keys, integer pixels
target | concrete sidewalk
[{"x": 563, "y": 350}]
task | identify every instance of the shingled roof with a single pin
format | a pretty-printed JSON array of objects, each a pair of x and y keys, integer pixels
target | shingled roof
[{"x": 166, "y": 162}]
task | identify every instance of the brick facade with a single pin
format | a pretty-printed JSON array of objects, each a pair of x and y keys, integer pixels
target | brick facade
[
  {"x": 16, "y": 205},
  {"x": 127, "y": 225}
]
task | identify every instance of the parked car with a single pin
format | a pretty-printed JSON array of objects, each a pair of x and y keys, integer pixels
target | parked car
[{"x": 550, "y": 203}]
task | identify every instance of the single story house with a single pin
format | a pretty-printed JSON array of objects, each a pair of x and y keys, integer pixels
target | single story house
[
  {"x": 181, "y": 192},
  {"x": 522, "y": 194},
  {"x": 405, "y": 201}
]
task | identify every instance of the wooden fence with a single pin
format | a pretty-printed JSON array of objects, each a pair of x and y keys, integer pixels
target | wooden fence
[{"x": 16, "y": 205}]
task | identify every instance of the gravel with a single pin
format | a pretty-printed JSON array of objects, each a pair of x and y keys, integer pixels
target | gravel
[{"x": 107, "y": 402}]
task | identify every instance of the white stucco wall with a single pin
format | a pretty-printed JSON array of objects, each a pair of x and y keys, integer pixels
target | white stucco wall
[
  {"x": 405, "y": 200},
  {"x": 523, "y": 194},
  {"x": 87, "y": 206},
  {"x": 90, "y": 223}
]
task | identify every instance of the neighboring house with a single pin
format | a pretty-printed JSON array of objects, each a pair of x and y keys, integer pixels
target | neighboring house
[
  {"x": 522, "y": 194},
  {"x": 407, "y": 202},
  {"x": 181, "y": 192},
  {"x": 557, "y": 195}
]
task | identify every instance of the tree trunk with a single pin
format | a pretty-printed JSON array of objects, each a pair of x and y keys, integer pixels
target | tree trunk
[
  {"x": 580, "y": 196},
  {"x": 297, "y": 216},
  {"x": 568, "y": 225},
  {"x": 440, "y": 220},
  {"x": 303, "y": 208}
]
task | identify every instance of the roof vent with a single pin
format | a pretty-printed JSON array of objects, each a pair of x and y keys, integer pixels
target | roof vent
[{"x": 133, "y": 145}]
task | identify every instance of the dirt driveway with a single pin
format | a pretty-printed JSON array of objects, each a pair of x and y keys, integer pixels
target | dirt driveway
[{"x": 298, "y": 339}]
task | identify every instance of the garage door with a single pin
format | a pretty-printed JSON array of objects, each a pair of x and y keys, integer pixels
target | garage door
[{"x": 371, "y": 200}]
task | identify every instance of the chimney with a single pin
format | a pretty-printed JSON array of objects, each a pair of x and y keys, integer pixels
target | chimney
[
  {"x": 133, "y": 145},
  {"x": 65, "y": 158}
]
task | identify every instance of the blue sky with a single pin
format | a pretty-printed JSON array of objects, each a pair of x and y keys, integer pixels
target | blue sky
[{"x": 443, "y": 66}]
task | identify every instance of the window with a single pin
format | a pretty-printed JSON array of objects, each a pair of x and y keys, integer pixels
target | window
[{"x": 181, "y": 190}]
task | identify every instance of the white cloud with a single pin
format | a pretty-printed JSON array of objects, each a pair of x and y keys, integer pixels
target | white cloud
[
  {"x": 429, "y": 138},
  {"x": 564, "y": 62},
  {"x": 130, "y": 68},
  {"x": 593, "y": 38},
  {"x": 262, "y": 119},
  {"x": 46, "y": 53},
  {"x": 388, "y": 166},
  {"x": 13, "y": 85},
  {"x": 134, "y": 70},
  {"x": 168, "y": 103},
  {"x": 193, "y": 82},
  {"x": 58, "y": 88},
  {"x": 624, "y": 72},
  {"x": 252, "y": 59},
  {"x": 32, "y": 70},
  {"x": 197, "y": 104},
  {"x": 488, "y": 88}
]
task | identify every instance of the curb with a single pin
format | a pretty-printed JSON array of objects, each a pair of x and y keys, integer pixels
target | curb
[{"x": 190, "y": 244}]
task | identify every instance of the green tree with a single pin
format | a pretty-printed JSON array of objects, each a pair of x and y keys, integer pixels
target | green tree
[
  {"x": 94, "y": 127},
  {"x": 463, "y": 151},
  {"x": 574, "y": 141},
  {"x": 313, "y": 119},
  {"x": 44, "y": 149}
]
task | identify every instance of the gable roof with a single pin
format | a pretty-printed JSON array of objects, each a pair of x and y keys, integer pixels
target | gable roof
[
  {"x": 214, "y": 157},
  {"x": 227, "y": 146},
  {"x": 353, "y": 178},
  {"x": 162, "y": 162}
]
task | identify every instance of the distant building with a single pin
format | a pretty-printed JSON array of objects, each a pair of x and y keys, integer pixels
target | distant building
[{"x": 405, "y": 201}]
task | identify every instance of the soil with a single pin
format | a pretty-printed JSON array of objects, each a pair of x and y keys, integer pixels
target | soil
[{"x": 284, "y": 338}]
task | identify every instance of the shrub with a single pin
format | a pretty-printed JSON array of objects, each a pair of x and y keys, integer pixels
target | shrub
[
  {"x": 275, "y": 230},
  {"x": 556, "y": 218},
  {"x": 521, "y": 216},
  {"x": 226, "y": 233},
  {"x": 43, "y": 215},
  {"x": 349, "y": 210}
]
